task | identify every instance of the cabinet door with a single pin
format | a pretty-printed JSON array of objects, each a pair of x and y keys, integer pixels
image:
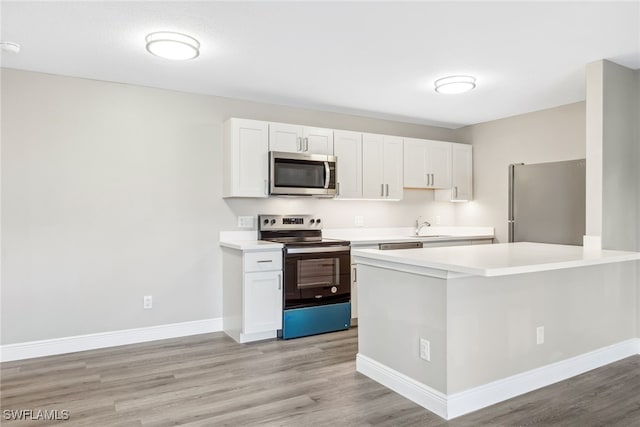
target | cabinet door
[
  {"x": 348, "y": 150},
  {"x": 285, "y": 137},
  {"x": 246, "y": 158},
  {"x": 415, "y": 168},
  {"x": 393, "y": 171},
  {"x": 317, "y": 140},
  {"x": 438, "y": 164},
  {"x": 262, "y": 301},
  {"x": 372, "y": 166},
  {"x": 461, "y": 172}
]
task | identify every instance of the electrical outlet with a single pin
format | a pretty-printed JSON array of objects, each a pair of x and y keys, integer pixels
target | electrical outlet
[
  {"x": 245, "y": 222},
  {"x": 540, "y": 335},
  {"x": 358, "y": 220},
  {"x": 147, "y": 302},
  {"x": 425, "y": 350}
]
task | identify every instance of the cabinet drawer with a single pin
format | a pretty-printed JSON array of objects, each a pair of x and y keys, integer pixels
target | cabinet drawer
[{"x": 262, "y": 261}]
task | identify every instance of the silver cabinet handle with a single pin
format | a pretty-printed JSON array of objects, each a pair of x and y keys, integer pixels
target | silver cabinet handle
[
  {"x": 381, "y": 190},
  {"x": 433, "y": 180},
  {"x": 280, "y": 281},
  {"x": 306, "y": 144},
  {"x": 264, "y": 260},
  {"x": 337, "y": 188},
  {"x": 266, "y": 187},
  {"x": 427, "y": 177},
  {"x": 298, "y": 143},
  {"x": 387, "y": 186},
  {"x": 355, "y": 275},
  {"x": 456, "y": 190}
]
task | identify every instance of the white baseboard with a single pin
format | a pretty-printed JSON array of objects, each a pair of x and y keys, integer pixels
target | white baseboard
[
  {"x": 31, "y": 349},
  {"x": 417, "y": 392},
  {"x": 497, "y": 391},
  {"x": 457, "y": 404}
]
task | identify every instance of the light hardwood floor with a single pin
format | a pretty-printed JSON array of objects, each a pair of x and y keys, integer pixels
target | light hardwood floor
[{"x": 209, "y": 380}]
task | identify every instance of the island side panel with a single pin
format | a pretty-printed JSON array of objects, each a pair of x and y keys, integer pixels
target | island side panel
[
  {"x": 395, "y": 310},
  {"x": 492, "y": 321}
]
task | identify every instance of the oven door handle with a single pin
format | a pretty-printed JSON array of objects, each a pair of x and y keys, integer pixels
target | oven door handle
[
  {"x": 319, "y": 249},
  {"x": 327, "y": 174}
]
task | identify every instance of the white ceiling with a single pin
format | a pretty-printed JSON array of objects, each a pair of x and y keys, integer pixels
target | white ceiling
[{"x": 376, "y": 59}]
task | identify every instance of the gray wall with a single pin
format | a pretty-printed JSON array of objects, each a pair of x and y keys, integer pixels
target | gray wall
[
  {"x": 111, "y": 192},
  {"x": 483, "y": 329},
  {"x": 620, "y": 180},
  {"x": 542, "y": 136},
  {"x": 613, "y": 148},
  {"x": 492, "y": 321}
]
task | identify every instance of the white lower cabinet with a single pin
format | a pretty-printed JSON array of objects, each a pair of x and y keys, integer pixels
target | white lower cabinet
[
  {"x": 262, "y": 302},
  {"x": 251, "y": 294}
]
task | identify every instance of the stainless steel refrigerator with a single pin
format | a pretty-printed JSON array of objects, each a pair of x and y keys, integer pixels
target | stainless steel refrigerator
[{"x": 547, "y": 202}]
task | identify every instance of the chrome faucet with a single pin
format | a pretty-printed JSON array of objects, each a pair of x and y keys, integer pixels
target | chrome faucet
[{"x": 419, "y": 225}]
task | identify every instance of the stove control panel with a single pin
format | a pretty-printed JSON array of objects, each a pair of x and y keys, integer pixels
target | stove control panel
[{"x": 289, "y": 222}]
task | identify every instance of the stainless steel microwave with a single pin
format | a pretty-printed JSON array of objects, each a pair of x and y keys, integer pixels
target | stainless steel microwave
[{"x": 302, "y": 174}]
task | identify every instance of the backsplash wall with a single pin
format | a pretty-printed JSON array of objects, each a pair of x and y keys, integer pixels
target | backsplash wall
[{"x": 342, "y": 213}]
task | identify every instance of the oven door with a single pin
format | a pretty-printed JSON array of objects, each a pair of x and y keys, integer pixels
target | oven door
[
  {"x": 316, "y": 275},
  {"x": 302, "y": 174}
]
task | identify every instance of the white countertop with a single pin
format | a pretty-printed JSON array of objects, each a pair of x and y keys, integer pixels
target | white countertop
[
  {"x": 248, "y": 240},
  {"x": 364, "y": 236},
  {"x": 251, "y": 245},
  {"x": 495, "y": 260}
]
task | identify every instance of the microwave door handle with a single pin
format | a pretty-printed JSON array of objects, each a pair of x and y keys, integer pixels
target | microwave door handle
[{"x": 327, "y": 174}]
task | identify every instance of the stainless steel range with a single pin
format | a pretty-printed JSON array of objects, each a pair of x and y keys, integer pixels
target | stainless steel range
[{"x": 317, "y": 275}]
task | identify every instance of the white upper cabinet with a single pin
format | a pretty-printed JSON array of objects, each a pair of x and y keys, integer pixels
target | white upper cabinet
[
  {"x": 285, "y": 137},
  {"x": 382, "y": 160},
  {"x": 300, "y": 139},
  {"x": 461, "y": 175},
  {"x": 427, "y": 163},
  {"x": 245, "y": 158},
  {"x": 318, "y": 140},
  {"x": 348, "y": 150},
  {"x": 393, "y": 167},
  {"x": 369, "y": 166}
]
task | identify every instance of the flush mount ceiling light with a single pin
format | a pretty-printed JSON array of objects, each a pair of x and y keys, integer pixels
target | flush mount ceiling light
[
  {"x": 455, "y": 84},
  {"x": 175, "y": 46},
  {"x": 10, "y": 47}
]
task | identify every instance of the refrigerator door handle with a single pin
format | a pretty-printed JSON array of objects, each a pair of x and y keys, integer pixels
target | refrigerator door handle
[{"x": 510, "y": 219}]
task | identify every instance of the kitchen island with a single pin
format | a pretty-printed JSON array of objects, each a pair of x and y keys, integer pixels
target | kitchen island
[{"x": 456, "y": 329}]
